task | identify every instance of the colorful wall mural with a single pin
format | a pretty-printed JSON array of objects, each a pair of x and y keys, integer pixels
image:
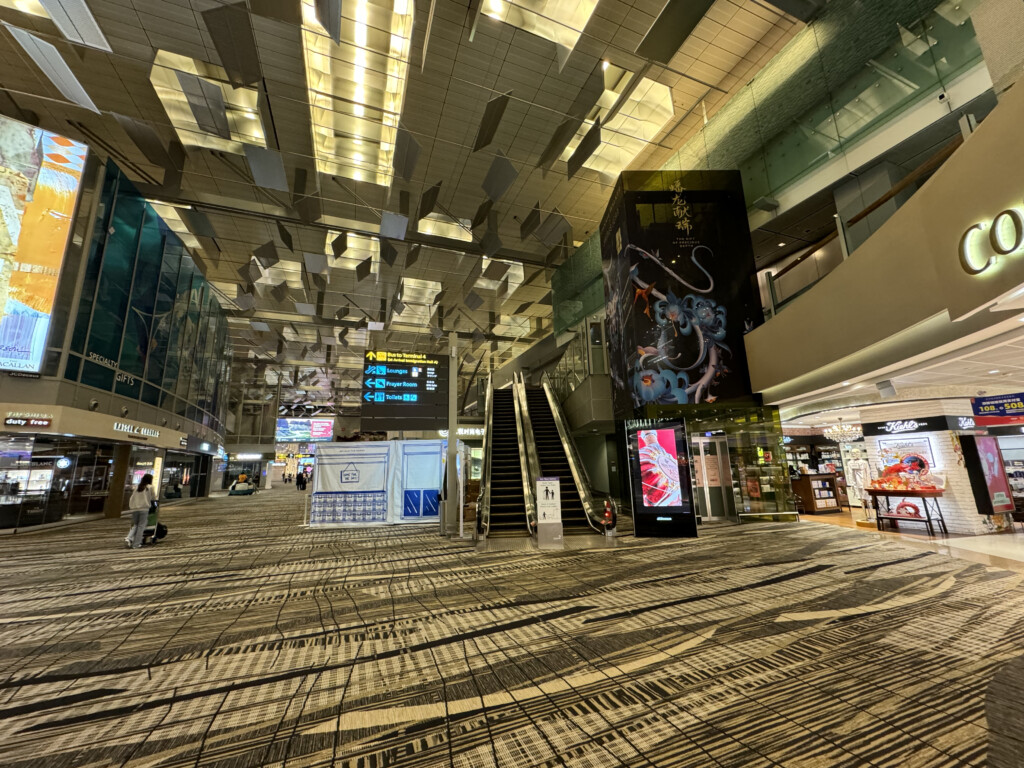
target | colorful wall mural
[{"x": 40, "y": 176}]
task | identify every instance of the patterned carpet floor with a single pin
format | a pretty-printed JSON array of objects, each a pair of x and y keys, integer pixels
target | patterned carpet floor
[{"x": 246, "y": 640}]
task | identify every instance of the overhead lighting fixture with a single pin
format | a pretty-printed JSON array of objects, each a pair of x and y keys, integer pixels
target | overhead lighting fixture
[
  {"x": 994, "y": 370},
  {"x": 359, "y": 249},
  {"x": 556, "y": 20},
  {"x": 31, "y": 7},
  {"x": 75, "y": 21},
  {"x": 846, "y": 383},
  {"x": 843, "y": 433},
  {"x": 444, "y": 226},
  {"x": 240, "y": 104},
  {"x": 49, "y": 60},
  {"x": 357, "y": 87},
  {"x": 624, "y": 134},
  {"x": 782, "y": 245}
]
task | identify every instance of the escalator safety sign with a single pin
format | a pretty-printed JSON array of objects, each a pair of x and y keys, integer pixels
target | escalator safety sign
[{"x": 549, "y": 500}]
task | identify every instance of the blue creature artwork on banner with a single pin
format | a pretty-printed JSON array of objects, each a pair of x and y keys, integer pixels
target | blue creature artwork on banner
[
  {"x": 680, "y": 287},
  {"x": 662, "y": 374}
]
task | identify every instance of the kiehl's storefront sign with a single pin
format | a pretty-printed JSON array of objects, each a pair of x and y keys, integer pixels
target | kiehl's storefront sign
[{"x": 926, "y": 424}]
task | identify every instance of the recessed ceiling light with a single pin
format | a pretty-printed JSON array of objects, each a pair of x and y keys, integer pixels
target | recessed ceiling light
[
  {"x": 994, "y": 370},
  {"x": 604, "y": 65},
  {"x": 782, "y": 245},
  {"x": 846, "y": 383}
]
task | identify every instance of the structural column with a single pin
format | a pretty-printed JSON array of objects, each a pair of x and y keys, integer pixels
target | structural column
[
  {"x": 115, "y": 491},
  {"x": 450, "y": 517}
]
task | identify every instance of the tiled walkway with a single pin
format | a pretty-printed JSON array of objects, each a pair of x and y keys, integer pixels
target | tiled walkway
[
  {"x": 245, "y": 640},
  {"x": 1000, "y": 550}
]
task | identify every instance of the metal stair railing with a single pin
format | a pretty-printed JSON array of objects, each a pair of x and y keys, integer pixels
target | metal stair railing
[
  {"x": 528, "y": 458},
  {"x": 595, "y": 517}
]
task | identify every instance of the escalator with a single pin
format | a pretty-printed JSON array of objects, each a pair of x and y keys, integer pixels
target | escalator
[
  {"x": 554, "y": 461},
  {"x": 507, "y": 505}
]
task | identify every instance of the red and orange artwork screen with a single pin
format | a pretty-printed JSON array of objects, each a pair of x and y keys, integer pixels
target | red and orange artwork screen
[
  {"x": 659, "y": 468},
  {"x": 40, "y": 175}
]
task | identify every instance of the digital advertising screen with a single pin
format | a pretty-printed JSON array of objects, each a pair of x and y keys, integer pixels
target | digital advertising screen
[
  {"x": 660, "y": 479},
  {"x": 659, "y": 468},
  {"x": 40, "y": 175},
  {"x": 404, "y": 390},
  {"x": 304, "y": 430}
]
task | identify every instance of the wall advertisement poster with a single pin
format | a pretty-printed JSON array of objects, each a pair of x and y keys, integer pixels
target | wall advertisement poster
[{"x": 40, "y": 175}]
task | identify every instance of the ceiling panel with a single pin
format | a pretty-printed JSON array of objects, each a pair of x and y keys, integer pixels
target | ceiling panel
[{"x": 443, "y": 105}]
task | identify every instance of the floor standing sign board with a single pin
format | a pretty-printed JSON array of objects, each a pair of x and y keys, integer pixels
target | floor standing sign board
[
  {"x": 549, "y": 513},
  {"x": 660, "y": 479}
]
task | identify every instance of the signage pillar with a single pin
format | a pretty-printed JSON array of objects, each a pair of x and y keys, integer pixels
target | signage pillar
[
  {"x": 549, "y": 513},
  {"x": 452, "y": 513}
]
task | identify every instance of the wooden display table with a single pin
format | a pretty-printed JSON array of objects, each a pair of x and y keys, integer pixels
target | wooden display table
[{"x": 931, "y": 513}]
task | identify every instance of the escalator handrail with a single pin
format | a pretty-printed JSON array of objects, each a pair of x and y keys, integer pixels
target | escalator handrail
[
  {"x": 484, "y": 505},
  {"x": 576, "y": 466},
  {"x": 528, "y": 460}
]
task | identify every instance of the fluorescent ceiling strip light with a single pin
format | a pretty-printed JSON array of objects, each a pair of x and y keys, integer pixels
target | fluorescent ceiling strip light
[
  {"x": 49, "y": 60},
  {"x": 645, "y": 112},
  {"x": 31, "y": 7},
  {"x": 441, "y": 225},
  {"x": 559, "y": 21},
  {"x": 240, "y": 105},
  {"x": 76, "y": 23},
  {"x": 357, "y": 87}
]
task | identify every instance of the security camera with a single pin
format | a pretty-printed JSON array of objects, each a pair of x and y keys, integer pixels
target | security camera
[
  {"x": 163, "y": 422},
  {"x": 94, "y": 405},
  {"x": 124, "y": 410},
  {"x": 942, "y": 97}
]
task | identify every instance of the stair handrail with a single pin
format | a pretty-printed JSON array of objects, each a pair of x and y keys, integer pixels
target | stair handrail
[
  {"x": 528, "y": 459},
  {"x": 483, "y": 513},
  {"x": 595, "y": 517}
]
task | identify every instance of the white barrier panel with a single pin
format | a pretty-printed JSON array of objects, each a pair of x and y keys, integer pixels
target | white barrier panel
[{"x": 395, "y": 481}]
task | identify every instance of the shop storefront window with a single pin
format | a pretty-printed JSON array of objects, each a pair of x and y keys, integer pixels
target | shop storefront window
[
  {"x": 738, "y": 464},
  {"x": 45, "y": 480},
  {"x": 251, "y": 469},
  {"x": 182, "y": 476}
]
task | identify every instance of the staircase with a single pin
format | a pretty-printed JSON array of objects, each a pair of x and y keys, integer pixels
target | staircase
[
  {"x": 508, "y": 507},
  {"x": 555, "y": 463}
]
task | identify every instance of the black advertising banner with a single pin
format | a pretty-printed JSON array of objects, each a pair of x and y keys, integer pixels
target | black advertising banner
[
  {"x": 919, "y": 424},
  {"x": 404, "y": 390},
  {"x": 681, "y": 288}
]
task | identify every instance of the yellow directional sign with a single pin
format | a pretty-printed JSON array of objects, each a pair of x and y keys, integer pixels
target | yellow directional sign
[{"x": 406, "y": 358}]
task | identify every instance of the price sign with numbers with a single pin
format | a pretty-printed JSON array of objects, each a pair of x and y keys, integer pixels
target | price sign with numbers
[{"x": 999, "y": 410}]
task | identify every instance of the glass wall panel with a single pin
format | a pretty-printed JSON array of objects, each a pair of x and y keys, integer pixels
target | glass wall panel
[
  {"x": 113, "y": 291},
  {"x": 852, "y": 70},
  {"x": 91, "y": 275},
  {"x": 153, "y": 327},
  {"x": 135, "y": 347}
]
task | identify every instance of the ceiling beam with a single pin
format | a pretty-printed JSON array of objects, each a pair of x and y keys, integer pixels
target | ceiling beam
[{"x": 412, "y": 238}]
